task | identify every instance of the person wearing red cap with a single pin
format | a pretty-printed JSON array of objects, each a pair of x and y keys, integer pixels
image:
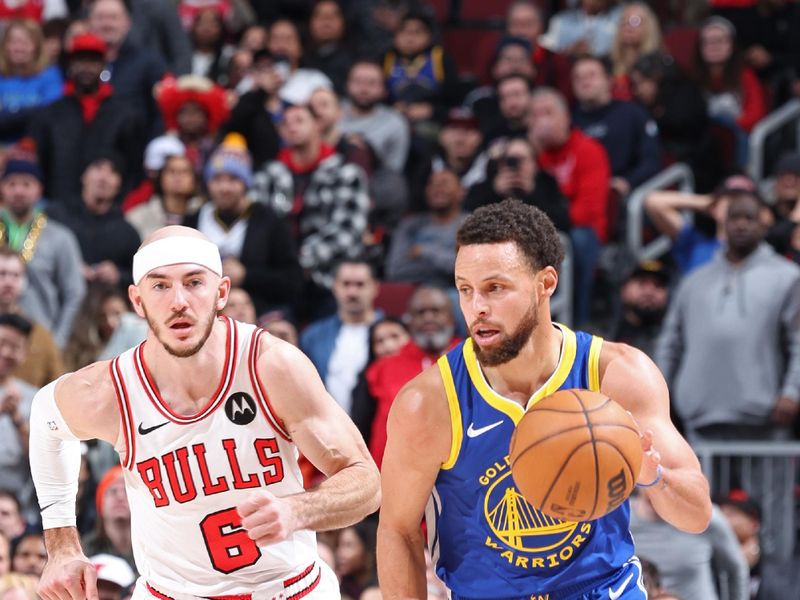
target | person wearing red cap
[
  {"x": 112, "y": 532},
  {"x": 88, "y": 120}
]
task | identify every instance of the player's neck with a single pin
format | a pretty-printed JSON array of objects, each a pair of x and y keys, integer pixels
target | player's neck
[{"x": 518, "y": 379}]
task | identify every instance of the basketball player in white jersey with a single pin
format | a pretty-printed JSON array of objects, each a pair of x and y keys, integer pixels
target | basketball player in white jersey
[{"x": 208, "y": 415}]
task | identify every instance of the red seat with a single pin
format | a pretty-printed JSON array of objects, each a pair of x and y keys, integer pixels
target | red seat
[
  {"x": 484, "y": 10},
  {"x": 393, "y": 297},
  {"x": 441, "y": 9},
  {"x": 680, "y": 43},
  {"x": 472, "y": 49}
]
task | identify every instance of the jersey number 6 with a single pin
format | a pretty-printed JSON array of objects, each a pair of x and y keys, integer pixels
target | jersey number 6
[{"x": 229, "y": 547}]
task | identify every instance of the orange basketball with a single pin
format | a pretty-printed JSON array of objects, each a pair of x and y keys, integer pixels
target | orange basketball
[{"x": 575, "y": 455}]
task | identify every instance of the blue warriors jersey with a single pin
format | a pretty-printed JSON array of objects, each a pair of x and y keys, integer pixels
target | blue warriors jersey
[
  {"x": 425, "y": 71},
  {"x": 486, "y": 540}
]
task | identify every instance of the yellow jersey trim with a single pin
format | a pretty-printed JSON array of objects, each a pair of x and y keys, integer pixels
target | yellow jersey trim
[
  {"x": 456, "y": 427},
  {"x": 437, "y": 56},
  {"x": 507, "y": 406},
  {"x": 388, "y": 63},
  {"x": 594, "y": 363}
]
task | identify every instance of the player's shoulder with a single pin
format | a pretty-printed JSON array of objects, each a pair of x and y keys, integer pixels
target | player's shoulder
[
  {"x": 622, "y": 354},
  {"x": 93, "y": 379},
  {"x": 422, "y": 401}
]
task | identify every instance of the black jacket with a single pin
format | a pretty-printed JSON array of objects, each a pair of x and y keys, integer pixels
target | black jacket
[
  {"x": 274, "y": 278},
  {"x": 66, "y": 145},
  {"x": 251, "y": 119}
]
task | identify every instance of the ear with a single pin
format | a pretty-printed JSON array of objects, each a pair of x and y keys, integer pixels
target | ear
[
  {"x": 547, "y": 281},
  {"x": 136, "y": 300},
  {"x": 224, "y": 291}
]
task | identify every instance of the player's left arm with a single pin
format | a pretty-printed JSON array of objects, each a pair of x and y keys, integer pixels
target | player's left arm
[
  {"x": 681, "y": 497},
  {"x": 326, "y": 436}
]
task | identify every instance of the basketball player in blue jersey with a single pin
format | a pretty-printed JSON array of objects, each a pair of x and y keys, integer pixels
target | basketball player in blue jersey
[{"x": 450, "y": 427}]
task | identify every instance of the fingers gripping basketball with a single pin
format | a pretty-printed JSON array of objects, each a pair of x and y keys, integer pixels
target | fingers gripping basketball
[{"x": 575, "y": 455}]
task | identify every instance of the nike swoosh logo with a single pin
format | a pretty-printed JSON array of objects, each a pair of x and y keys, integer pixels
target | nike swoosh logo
[
  {"x": 473, "y": 433},
  {"x": 614, "y": 594},
  {"x": 48, "y": 506},
  {"x": 145, "y": 430}
]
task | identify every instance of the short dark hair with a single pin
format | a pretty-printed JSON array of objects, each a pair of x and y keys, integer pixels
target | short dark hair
[
  {"x": 357, "y": 260},
  {"x": 513, "y": 221},
  {"x": 528, "y": 83},
  {"x": 604, "y": 62},
  {"x": 17, "y": 322}
]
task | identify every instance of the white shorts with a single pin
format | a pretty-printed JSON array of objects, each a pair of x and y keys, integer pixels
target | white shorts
[{"x": 326, "y": 588}]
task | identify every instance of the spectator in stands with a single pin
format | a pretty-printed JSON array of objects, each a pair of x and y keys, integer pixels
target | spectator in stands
[
  {"x": 42, "y": 363},
  {"x": 687, "y": 562},
  {"x": 256, "y": 244},
  {"x": 512, "y": 172},
  {"x": 210, "y": 51},
  {"x": 355, "y": 558},
  {"x": 586, "y": 29},
  {"x": 514, "y": 104},
  {"x": 107, "y": 241},
  {"x": 625, "y": 130},
  {"x": 784, "y": 234},
  {"x": 638, "y": 34},
  {"x": 328, "y": 111},
  {"x": 286, "y": 45},
  {"x": 382, "y": 127},
  {"x": 240, "y": 306},
  {"x": 113, "y": 532},
  {"x": 175, "y": 197},
  {"x": 89, "y": 119},
  {"x": 15, "y": 408},
  {"x": 694, "y": 241},
  {"x": 679, "y": 109},
  {"x": 644, "y": 297},
  {"x": 323, "y": 198},
  {"x": 132, "y": 70},
  {"x": 730, "y": 346},
  {"x": 114, "y": 576},
  {"x": 512, "y": 57},
  {"x": 581, "y": 168},
  {"x": 27, "y": 81},
  {"x": 278, "y": 324},
  {"x": 524, "y": 19},
  {"x": 339, "y": 345},
  {"x": 432, "y": 326},
  {"x": 193, "y": 109},
  {"x": 733, "y": 92},
  {"x": 423, "y": 245},
  {"x": 460, "y": 141},
  {"x": 387, "y": 336},
  {"x": 29, "y": 555},
  {"x": 104, "y": 328},
  {"x": 254, "y": 114},
  {"x": 328, "y": 50},
  {"x": 12, "y": 521},
  {"x": 651, "y": 578},
  {"x": 155, "y": 25},
  {"x": 49, "y": 250},
  {"x": 416, "y": 60},
  {"x": 14, "y": 586},
  {"x": 155, "y": 153}
]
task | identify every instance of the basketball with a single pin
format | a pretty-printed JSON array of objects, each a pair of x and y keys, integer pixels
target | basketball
[{"x": 575, "y": 455}]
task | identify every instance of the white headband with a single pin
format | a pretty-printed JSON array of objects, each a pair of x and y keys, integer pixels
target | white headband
[{"x": 173, "y": 251}]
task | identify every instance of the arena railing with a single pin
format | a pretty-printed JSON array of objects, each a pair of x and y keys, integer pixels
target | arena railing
[
  {"x": 768, "y": 472},
  {"x": 561, "y": 302},
  {"x": 679, "y": 175},
  {"x": 773, "y": 122}
]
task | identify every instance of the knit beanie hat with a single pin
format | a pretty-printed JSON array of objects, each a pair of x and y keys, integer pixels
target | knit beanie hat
[
  {"x": 22, "y": 160},
  {"x": 231, "y": 157}
]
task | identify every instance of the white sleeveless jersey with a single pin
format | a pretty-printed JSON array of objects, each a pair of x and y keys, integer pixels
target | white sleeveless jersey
[{"x": 185, "y": 474}]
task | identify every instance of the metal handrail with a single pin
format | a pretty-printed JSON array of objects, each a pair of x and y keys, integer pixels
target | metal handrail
[
  {"x": 561, "y": 302},
  {"x": 678, "y": 174},
  {"x": 774, "y": 121}
]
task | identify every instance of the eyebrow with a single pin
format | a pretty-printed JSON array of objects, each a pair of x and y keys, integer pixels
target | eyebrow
[
  {"x": 488, "y": 277},
  {"x": 157, "y": 275}
]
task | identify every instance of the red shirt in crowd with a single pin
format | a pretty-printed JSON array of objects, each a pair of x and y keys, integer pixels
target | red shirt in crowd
[
  {"x": 583, "y": 173},
  {"x": 385, "y": 378}
]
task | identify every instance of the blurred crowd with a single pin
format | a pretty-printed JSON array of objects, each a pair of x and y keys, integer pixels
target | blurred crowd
[{"x": 332, "y": 148}]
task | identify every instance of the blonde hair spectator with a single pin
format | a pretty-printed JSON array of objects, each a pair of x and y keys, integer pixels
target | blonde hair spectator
[
  {"x": 13, "y": 34},
  {"x": 16, "y": 586}
]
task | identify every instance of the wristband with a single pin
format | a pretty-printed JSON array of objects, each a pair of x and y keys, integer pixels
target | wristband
[{"x": 659, "y": 472}]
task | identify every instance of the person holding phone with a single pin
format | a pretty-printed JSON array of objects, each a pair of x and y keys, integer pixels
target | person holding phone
[{"x": 512, "y": 173}]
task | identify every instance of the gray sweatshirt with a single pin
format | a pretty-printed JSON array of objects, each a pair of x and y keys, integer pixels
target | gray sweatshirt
[
  {"x": 385, "y": 130},
  {"x": 730, "y": 344}
]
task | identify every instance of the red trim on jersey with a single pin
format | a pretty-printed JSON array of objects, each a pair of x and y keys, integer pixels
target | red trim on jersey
[
  {"x": 225, "y": 383},
  {"x": 124, "y": 412},
  {"x": 296, "y": 578},
  {"x": 306, "y": 591},
  {"x": 273, "y": 419}
]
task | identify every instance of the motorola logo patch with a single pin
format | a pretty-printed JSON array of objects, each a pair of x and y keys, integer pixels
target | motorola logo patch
[{"x": 240, "y": 408}]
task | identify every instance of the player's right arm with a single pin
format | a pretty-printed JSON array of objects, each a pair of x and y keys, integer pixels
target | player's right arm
[
  {"x": 419, "y": 435},
  {"x": 79, "y": 407}
]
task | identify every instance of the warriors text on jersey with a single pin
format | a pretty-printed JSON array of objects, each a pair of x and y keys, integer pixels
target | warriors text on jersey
[
  {"x": 185, "y": 474},
  {"x": 486, "y": 540}
]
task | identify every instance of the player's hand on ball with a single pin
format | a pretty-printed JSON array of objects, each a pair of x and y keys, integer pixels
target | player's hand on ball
[
  {"x": 73, "y": 578},
  {"x": 267, "y": 518},
  {"x": 652, "y": 458}
]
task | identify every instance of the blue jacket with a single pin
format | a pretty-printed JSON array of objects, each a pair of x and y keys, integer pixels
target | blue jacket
[{"x": 319, "y": 339}]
